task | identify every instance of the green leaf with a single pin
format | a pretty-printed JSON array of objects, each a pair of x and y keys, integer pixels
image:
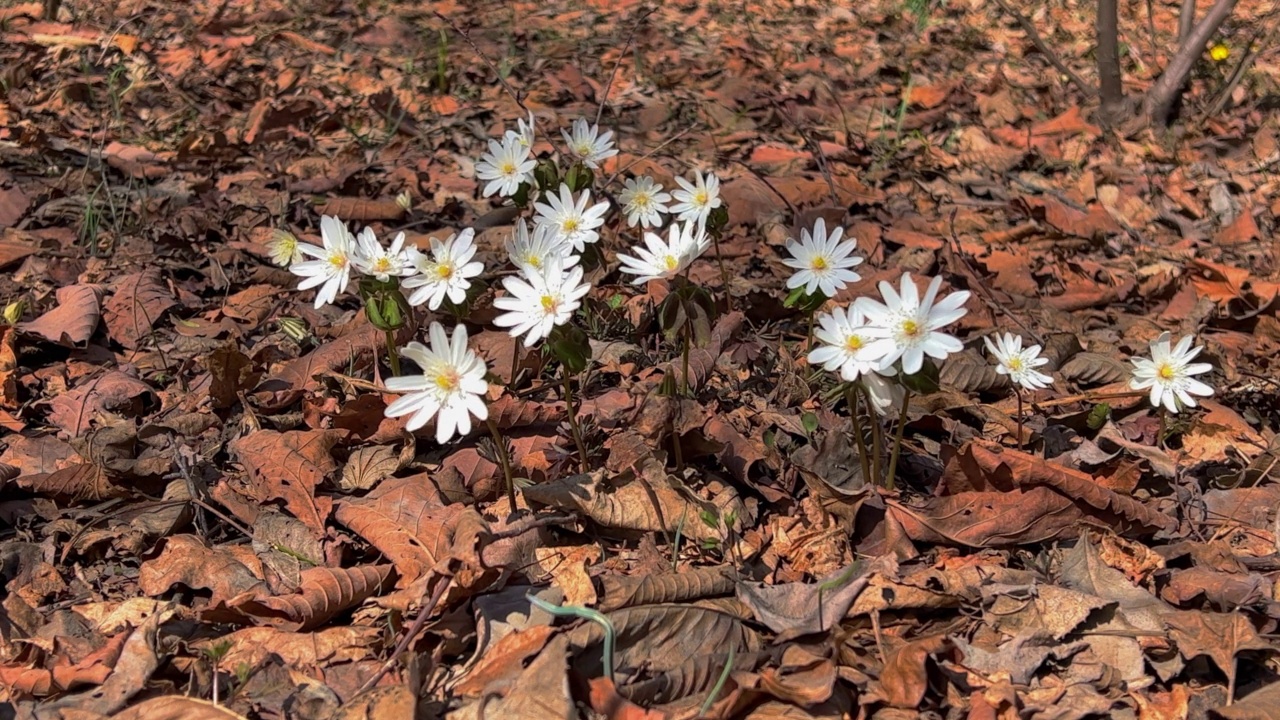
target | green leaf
[
  {"x": 810, "y": 423},
  {"x": 1098, "y": 416},
  {"x": 923, "y": 382}
]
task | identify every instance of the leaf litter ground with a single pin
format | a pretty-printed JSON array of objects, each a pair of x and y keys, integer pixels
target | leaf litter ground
[{"x": 206, "y": 513}]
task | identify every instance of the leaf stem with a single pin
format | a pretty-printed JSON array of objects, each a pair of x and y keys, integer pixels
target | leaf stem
[
  {"x": 889, "y": 480},
  {"x": 1017, "y": 391},
  {"x": 505, "y": 459},
  {"x": 724, "y": 274}
]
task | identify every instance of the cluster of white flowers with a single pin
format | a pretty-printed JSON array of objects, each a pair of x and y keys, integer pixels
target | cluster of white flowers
[
  {"x": 445, "y": 272},
  {"x": 871, "y": 339}
]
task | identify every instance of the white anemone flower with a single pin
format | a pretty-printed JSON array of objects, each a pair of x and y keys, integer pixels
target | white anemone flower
[
  {"x": 643, "y": 202},
  {"x": 505, "y": 166},
  {"x": 696, "y": 200},
  {"x": 664, "y": 260},
  {"x": 821, "y": 261},
  {"x": 331, "y": 268},
  {"x": 910, "y": 326},
  {"x": 538, "y": 248},
  {"x": 451, "y": 387},
  {"x": 524, "y": 135},
  {"x": 379, "y": 262},
  {"x": 1168, "y": 373},
  {"x": 283, "y": 248},
  {"x": 846, "y": 343},
  {"x": 572, "y": 221},
  {"x": 1017, "y": 362},
  {"x": 446, "y": 272},
  {"x": 585, "y": 144},
  {"x": 885, "y": 395},
  {"x": 540, "y": 299}
]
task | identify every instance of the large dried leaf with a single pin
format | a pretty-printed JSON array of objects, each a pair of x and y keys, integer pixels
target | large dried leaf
[
  {"x": 114, "y": 391},
  {"x": 74, "y": 484},
  {"x": 290, "y": 466},
  {"x": 367, "y": 466},
  {"x": 1029, "y": 470},
  {"x": 352, "y": 350},
  {"x": 795, "y": 609},
  {"x": 177, "y": 707},
  {"x": 363, "y": 209},
  {"x": 407, "y": 520},
  {"x": 73, "y": 321},
  {"x": 322, "y": 593},
  {"x": 131, "y": 672},
  {"x": 186, "y": 560},
  {"x": 137, "y": 303},
  {"x": 660, "y": 638},
  {"x": 636, "y": 504},
  {"x": 1088, "y": 368}
]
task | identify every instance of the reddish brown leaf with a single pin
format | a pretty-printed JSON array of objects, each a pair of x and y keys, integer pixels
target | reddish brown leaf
[
  {"x": 290, "y": 466},
  {"x": 113, "y": 391},
  {"x": 73, "y": 321},
  {"x": 323, "y": 593},
  {"x": 137, "y": 303},
  {"x": 407, "y": 520}
]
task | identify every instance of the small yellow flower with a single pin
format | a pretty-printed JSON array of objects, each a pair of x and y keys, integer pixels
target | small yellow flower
[{"x": 1219, "y": 52}]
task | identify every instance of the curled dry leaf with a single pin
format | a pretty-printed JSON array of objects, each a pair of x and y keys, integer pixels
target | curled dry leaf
[
  {"x": 1088, "y": 368},
  {"x": 73, "y": 321},
  {"x": 322, "y": 593},
  {"x": 684, "y": 586},
  {"x": 177, "y": 707},
  {"x": 969, "y": 372},
  {"x": 132, "y": 671},
  {"x": 62, "y": 673},
  {"x": 74, "y": 484},
  {"x": 369, "y": 465},
  {"x": 137, "y": 303},
  {"x": 187, "y": 561},
  {"x": 362, "y": 209}
]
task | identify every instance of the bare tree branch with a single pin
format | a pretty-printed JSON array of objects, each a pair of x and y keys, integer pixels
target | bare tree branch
[
  {"x": 1049, "y": 54},
  {"x": 1162, "y": 95},
  {"x": 1186, "y": 20}
]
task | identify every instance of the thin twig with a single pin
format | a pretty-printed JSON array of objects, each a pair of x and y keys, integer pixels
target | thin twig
[
  {"x": 1255, "y": 51},
  {"x": 649, "y": 154},
  {"x": 625, "y": 47},
  {"x": 1049, "y": 54},
  {"x": 409, "y": 636},
  {"x": 1159, "y": 100}
]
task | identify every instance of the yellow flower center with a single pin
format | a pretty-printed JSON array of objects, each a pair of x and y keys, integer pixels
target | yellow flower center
[
  {"x": 1166, "y": 372},
  {"x": 508, "y": 168},
  {"x": 448, "y": 379},
  {"x": 641, "y": 201},
  {"x": 910, "y": 328},
  {"x": 819, "y": 263},
  {"x": 338, "y": 260},
  {"x": 671, "y": 262},
  {"x": 853, "y": 343},
  {"x": 534, "y": 260},
  {"x": 571, "y": 225},
  {"x": 550, "y": 303},
  {"x": 1015, "y": 364},
  {"x": 701, "y": 198},
  {"x": 584, "y": 149},
  {"x": 444, "y": 271},
  {"x": 382, "y": 264}
]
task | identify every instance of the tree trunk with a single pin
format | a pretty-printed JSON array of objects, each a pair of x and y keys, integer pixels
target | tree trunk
[{"x": 1109, "y": 82}]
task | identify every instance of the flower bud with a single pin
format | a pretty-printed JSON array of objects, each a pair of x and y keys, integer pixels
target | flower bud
[
  {"x": 295, "y": 328},
  {"x": 404, "y": 201},
  {"x": 547, "y": 175},
  {"x": 579, "y": 177},
  {"x": 13, "y": 311}
]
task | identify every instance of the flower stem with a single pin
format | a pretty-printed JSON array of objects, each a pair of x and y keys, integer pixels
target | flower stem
[
  {"x": 889, "y": 482},
  {"x": 505, "y": 459},
  {"x": 515, "y": 365},
  {"x": 1018, "y": 392},
  {"x": 851, "y": 394},
  {"x": 572, "y": 409},
  {"x": 809, "y": 342},
  {"x": 393, "y": 355},
  {"x": 684, "y": 375},
  {"x": 877, "y": 442}
]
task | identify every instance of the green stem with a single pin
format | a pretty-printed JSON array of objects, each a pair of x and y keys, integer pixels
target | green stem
[
  {"x": 586, "y": 614},
  {"x": 393, "y": 355},
  {"x": 715, "y": 690},
  {"x": 684, "y": 376},
  {"x": 505, "y": 459},
  {"x": 851, "y": 394},
  {"x": 572, "y": 408},
  {"x": 515, "y": 365},
  {"x": 809, "y": 341},
  {"x": 889, "y": 481},
  {"x": 877, "y": 442}
]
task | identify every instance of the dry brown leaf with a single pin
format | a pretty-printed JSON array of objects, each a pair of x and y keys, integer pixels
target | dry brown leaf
[
  {"x": 114, "y": 391},
  {"x": 322, "y": 594},
  {"x": 137, "y": 303},
  {"x": 407, "y": 520},
  {"x": 73, "y": 321},
  {"x": 290, "y": 466}
]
